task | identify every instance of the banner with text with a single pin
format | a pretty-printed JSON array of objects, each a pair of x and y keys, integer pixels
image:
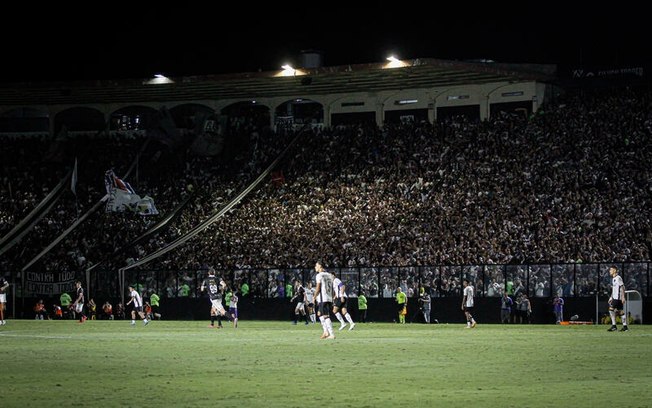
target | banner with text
[{"x": 49, "y": 283}]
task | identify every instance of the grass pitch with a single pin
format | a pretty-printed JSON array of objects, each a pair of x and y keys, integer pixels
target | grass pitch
[{"x": 276, "y": 364}]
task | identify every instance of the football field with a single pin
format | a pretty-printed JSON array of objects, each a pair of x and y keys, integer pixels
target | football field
[{"x": 276, "y": 364}]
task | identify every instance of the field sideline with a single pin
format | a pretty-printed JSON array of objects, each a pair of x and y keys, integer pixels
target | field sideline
[{"x": 270, "y": 364}]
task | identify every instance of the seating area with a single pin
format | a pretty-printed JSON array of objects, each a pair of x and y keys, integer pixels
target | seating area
[{"x": 569, "y": 184}]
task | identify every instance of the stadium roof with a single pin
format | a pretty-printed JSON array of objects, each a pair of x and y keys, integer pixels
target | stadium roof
[{"x": 418, "y": 73}]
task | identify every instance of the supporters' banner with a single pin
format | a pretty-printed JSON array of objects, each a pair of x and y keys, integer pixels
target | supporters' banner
[
  {"x": 609, "y": 73},
  {"x": 146, "y": 206},
  {"x": 123, "y": 197},
  {"x": 49, "y": 283}
]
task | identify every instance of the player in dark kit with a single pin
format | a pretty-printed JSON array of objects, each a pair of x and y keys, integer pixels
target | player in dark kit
[
  {"x": 299, "y": 300},
  {"x": 79, "y": 302},
  {"x": 215, "y": 288}
]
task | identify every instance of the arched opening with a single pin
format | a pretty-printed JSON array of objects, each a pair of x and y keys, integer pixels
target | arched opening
[
  {"x": 470, "y": 112},
  {"x": 298, "y": 112},
  {"x": 132, "y": 118},
  {"x": 247, "y": 113},
  {"x": 79, "y": 119}
]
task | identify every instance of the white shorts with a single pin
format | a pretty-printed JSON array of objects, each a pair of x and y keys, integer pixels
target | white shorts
[
  {"x": 217, "y": 305},
  {"x": 3, "y": 298},
  {"x": 79, "y": 307}
]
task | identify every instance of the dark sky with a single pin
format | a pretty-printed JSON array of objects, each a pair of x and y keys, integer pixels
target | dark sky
[{"x": 129, "y": 42}]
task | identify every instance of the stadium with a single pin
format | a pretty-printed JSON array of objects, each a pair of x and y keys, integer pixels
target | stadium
[{"x": 413, "y": 174}]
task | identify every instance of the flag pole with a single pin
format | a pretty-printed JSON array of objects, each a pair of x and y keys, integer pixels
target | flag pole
[{"x": 73, "y": 187}]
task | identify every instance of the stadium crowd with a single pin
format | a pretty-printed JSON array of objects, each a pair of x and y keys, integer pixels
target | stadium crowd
[{"x": 570, "y": 184}]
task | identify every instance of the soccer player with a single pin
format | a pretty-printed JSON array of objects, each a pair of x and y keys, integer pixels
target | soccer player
[
  {"x": 79, "y": 302},
  {"x": 138, "y": 306},
  {"x": 233, "y": 308},
  {"x": 310, "y": 302},
  {"x": 425, "y": 301},
  {"x": 467, "y": 304},
  {"x": 617, "y": 300},
  {"x": 300, "y": 299},
  {"x": 215, "y": 288},
  {"x": 324, "y": 291},
  {"x": 3, "y": 299},
  {"x": 339, "y": 303}
]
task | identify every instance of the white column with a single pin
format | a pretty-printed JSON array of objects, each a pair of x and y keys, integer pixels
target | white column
[{"x": 484, "y": 108}]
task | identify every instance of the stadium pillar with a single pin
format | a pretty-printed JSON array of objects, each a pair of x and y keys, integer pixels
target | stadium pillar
[
  {"x": 484, "y": 108},
  {"x": 327, "y": 115},
  {"x": 380, "y": 114}
]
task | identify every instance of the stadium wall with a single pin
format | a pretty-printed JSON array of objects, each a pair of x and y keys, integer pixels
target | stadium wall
[{"x": 444, "y": 310}]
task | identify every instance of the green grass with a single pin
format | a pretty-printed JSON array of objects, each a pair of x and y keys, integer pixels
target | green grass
[{"x": 270, "y": 364}]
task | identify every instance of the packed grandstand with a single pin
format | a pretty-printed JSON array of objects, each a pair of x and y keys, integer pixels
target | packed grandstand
[{"x": 568, "y": 183}]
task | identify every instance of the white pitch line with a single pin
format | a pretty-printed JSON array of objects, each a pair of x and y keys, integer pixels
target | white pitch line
[{"x": 33, "y": 336}]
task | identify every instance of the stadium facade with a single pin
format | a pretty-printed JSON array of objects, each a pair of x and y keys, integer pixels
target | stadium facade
[{"x": 420, "y": 89}]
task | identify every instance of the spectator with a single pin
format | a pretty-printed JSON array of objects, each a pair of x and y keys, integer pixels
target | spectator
[
  {"x": 107, "y": 311},
  {"x": 362, "y": 307},
  {"x": 39, "y": 311},
  {"x": 58, "y": 312},
  {"x": 66, "y": 302},
  {"x": 558, "y": 309},
  {"x": 506, "y": 304},
  {"x": 401, "y": 304}
]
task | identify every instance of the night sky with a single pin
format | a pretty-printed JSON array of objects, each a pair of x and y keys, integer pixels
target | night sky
[{"x": 130, "y": 42}]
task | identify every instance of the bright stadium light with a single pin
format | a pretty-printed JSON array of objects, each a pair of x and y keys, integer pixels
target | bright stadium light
[
  {"x": 158, "y": 79},
  {"x": 288, "y": 70},
  {"x": 394, "y": 62}
]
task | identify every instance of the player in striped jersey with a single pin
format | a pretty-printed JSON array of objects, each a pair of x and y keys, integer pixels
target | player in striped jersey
[
  {"x": 467, "y": 304},
  {"x": 339, "y": 303},
  {"x": 617, "y": 300},
  {"x": 310, "y": 302},
  {"x": 137, "y": 306},
  {"x": 324, "y": 291}
]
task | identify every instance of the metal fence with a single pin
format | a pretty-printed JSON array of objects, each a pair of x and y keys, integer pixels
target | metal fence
[{"x": 535, "y": 280}]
